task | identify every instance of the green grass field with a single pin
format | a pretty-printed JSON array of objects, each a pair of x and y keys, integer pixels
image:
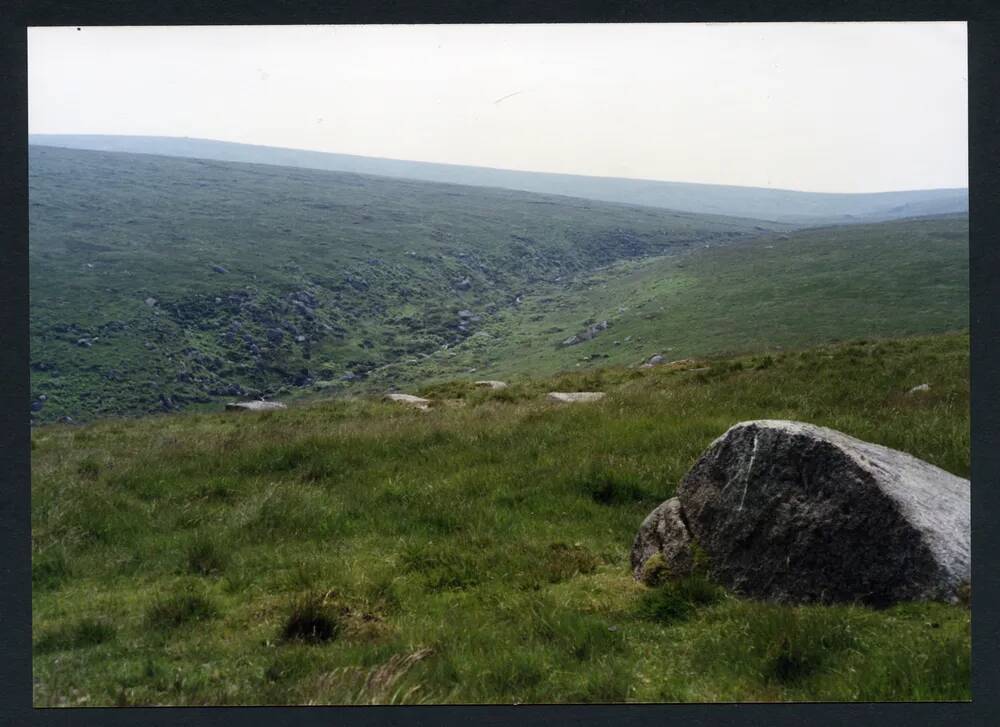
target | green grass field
[{"x": 354, "y": 551}]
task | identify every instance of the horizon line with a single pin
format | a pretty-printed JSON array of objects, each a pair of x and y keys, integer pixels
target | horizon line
[{"x": 490, "y": 168}]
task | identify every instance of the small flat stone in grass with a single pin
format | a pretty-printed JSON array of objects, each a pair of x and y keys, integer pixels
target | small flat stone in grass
[
  {"x": 409, "y": 400},
  {"x": 575, "y": 396},
  {"x": 254, "y": 406}
]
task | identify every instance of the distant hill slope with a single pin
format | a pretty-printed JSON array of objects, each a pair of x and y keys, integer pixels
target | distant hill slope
[
  {"x": 159, "y": 282},
  {"x": 806, "y": 208},
  {"x": 778, "y": 291}
]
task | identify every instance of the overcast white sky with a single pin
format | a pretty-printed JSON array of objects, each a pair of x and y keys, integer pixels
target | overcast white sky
[{"x": 839, "y": 107}]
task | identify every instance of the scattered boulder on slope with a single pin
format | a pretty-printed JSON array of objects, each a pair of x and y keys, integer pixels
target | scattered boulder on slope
[
  {"x": 491, "y": 384},
  {"x": 574, "y": 396},
  {"x": 797, "y": 513},
  {"x": 409, "y": 399},
  {"x": 654, "y": 360},
  {"x": 255, "y": 406},
  {"x": 586, "y": 334}
]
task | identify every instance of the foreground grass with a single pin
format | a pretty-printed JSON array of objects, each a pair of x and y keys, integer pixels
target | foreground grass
[{"x": 355, "y": 552}]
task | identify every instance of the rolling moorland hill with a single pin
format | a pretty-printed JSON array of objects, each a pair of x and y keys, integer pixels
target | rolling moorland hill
[
  {"x": 162, "y": 283},
  {"x": 770, "y": 204},
  {"x": 354, "y": 551},
  {"x": 776, "y": 291},
  {"x": 158, "y": 282}
]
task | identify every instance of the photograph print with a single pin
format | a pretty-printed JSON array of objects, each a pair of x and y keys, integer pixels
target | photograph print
[{"x": 499, "y": 364}]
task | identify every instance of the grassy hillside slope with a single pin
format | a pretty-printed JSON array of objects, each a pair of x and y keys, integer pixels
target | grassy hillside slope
[
  {"x": 764, "y": 203},
  {"x": 157, "y": 282},
  {"x": 353, "y": 551},
  {"x": 789, "y": 290}
]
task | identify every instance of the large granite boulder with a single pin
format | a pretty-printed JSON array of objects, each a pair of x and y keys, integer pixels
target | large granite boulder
[{"x": 792, "y": 512}]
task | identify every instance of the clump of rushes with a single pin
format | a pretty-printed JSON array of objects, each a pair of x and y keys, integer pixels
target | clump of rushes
[
  {"x": 180, "y": 608},
  {"x": 678, "y": 600},
  {"x": 205, "y": 557},
  {"x": 565, "y": 561},
  {"x": 610, "y": 488},
  {"x": 807, "y": 641},
  {"x": 82, "y": 634}
]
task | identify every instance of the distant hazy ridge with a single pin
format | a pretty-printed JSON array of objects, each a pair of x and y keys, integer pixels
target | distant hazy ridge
[{"x": 808, "y": 208}]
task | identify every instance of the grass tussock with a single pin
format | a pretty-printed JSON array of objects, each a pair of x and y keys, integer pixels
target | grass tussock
[
  {"x": 206, "y": 556},
  {"x": 178, "y": 609},
  {"x": 607, "y": 487},
  {"x": 678, "y": 600},
  {"x": 80, "y": 634},
  {"x": 311, "y": 620}
]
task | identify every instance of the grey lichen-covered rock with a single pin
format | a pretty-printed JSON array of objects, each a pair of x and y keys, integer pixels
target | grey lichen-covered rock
[
  {"x": 586, "y": 334},
  {"x": 409, "y": 399},
  {"x": 568, "y": 397},
  {"x": 254, "y": 406},
  {"x": 798, "y": 513},
  {"x": 663, "y": 533}
]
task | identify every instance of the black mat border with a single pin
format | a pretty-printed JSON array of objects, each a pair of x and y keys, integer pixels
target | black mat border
[{"x": 15, "y": 607}]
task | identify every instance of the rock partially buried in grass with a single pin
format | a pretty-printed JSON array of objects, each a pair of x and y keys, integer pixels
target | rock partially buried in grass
[
  {"x": 491, "y": 384},
  {"x": 663, "y": 547},
  {"x": 255, "y": 406},
  {"x": 792, "y": 512},
  {"x": 575, "y": 396},
  {"x": 409, "y": 400}
]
